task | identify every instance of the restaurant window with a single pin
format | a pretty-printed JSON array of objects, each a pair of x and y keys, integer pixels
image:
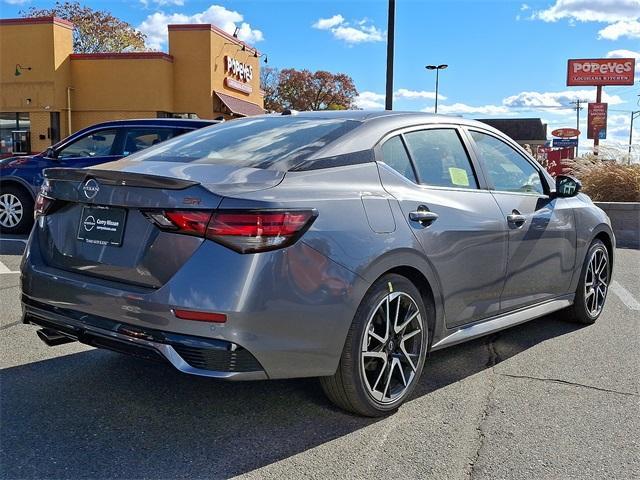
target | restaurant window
[
  {"x": 177, "y": 115},
  {"x": 12, "y": 122}
]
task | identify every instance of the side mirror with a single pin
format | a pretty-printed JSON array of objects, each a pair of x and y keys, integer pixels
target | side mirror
[
  {"x": 50, "y": 153},
  {"x": 567, "y": 186}
]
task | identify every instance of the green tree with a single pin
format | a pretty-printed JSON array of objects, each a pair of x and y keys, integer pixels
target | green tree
[{"x": 94, "y": 31}]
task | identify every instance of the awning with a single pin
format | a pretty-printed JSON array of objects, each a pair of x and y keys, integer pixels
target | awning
[{"x": 238, "y": 106}]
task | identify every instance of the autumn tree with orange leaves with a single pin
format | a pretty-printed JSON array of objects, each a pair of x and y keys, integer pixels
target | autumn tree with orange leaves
[
  {"x": 94, "y": 31},
  {"x": 304, "y": 90}
]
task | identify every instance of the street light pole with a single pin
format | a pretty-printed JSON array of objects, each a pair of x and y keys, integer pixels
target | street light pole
[
  {"x": 437, "y": 68},
  {"x": 391, "y": 21}
]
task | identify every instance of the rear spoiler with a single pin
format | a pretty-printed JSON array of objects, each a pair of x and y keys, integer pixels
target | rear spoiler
[{"x": 119, "y": 178}]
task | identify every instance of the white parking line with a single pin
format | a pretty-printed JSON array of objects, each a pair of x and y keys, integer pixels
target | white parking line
[
  {"x": 4, "y": 269},
  {"x": 624, "y": 295}
]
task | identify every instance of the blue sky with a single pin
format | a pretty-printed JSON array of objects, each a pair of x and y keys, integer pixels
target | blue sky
[{"x": 506, "y": 58}]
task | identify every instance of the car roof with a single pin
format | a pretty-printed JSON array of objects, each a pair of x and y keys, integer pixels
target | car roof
[
  {"x": 369, "y": 115},
  {"x": 376, "y": 125},
  {"x": 182, "y": 122}
]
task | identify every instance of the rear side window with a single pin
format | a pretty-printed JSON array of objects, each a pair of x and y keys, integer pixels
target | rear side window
[
  {"x": 257, "y": 142},
  {"x": 395, "y": 155},
  {"x": 138, "y": 139},
  {"x": 95, "y": 144},
  {"x": 508, "y": 170},
  {"x": 440, "y": 158}
]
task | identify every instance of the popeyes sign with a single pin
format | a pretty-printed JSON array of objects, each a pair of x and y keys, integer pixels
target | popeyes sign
[
  {"x": 238, "y": 75},
  {"x": 600, "y": 71}
]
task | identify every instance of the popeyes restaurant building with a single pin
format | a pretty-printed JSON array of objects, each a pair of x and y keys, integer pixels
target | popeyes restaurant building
[{"x": 48, "y": 92}]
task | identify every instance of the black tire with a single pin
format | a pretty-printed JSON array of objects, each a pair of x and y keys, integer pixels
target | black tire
[
  {"x": 347, "y": 388},
  {"x": 10, "y": 194},
  {"x": 580, "y": 311}
]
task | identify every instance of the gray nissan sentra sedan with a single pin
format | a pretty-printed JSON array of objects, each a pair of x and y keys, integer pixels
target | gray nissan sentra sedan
[{"x": 340, "y": 245}]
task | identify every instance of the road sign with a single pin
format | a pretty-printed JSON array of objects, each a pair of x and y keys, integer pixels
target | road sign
[
  {"x": 566, "y": 132},
  {"x": 565, "y": 142}
]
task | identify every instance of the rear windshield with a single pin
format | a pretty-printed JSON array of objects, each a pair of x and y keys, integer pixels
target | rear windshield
[{"x": 259, "y": 142}]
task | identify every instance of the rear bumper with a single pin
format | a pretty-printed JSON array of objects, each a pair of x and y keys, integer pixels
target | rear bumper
[
  {"x": 290, "y": 308},
  {"x": 189, "y": 354}
]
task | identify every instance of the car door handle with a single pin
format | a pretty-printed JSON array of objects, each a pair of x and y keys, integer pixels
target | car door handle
[
  {"x": 424, "y": 217},
  {"x": 516, "y": 218}
]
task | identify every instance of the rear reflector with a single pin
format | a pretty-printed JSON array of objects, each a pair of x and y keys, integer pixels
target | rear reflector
[
  {"x": 245, "y": 231},
  {"x": 42, "y": 205},
  {"x": 200, "y": 316}
]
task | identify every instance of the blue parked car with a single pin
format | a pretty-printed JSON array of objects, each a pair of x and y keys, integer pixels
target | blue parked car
[{"x": 21, "y": 177}]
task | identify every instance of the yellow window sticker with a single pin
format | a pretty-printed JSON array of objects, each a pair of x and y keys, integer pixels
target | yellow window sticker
[{"x": 459, "y": 176}]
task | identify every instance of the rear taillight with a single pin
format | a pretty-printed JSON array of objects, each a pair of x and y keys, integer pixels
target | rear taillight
[
  {"x": 245, "y": 231},
  {"x": 43, "y": 204}
]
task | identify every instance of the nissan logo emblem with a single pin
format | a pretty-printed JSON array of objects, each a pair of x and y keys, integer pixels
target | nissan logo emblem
[
  {"x": 90, "y": 188},
  {"x": 89, "y": 223}
]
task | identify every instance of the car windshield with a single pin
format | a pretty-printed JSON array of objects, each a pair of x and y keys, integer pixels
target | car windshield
[{"x": 253, "y": 142}]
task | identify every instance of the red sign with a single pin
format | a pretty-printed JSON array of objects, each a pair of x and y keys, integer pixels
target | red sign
[
  {"x": 601, "y": 71},
  {"x": 597, "y": 121},
  {"x": 566, "y": 132}
]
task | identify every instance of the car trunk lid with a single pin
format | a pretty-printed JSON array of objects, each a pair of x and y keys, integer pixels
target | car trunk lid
[{"x": 99, "y": 225}]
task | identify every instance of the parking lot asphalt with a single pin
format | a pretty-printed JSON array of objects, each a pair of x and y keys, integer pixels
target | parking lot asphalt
[{"x": 544, "y": 400}]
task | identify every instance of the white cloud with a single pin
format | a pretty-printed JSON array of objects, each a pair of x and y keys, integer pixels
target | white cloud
[
  {"x": 17, "y": 2},
  {"x": 556, "y": 99},
  {"x": 370, "y": 101},
  {"x": 463, "y": 108},
  {"x": 417, "y": 94},
  {"x": 361, "y": 32},
  {"x": 524, "y": 7},
  {"x": 327, "y": 23},
  {"x": 608, "y": 11},
  {"x": 155, "y": 25},
  {"x": 630, "y": 29},
  {"x": 622, "y": 15},
  {"x": 375, "y": 101}
]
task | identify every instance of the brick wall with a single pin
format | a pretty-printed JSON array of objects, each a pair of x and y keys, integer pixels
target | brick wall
[{"x": 40, "y": 123}]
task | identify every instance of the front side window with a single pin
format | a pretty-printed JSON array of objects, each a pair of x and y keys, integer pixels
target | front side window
[
  {"x": 138, "y": 139},
  {"x": 395, "y": 155},
  {"x": 440, "y": 158},
  {"x": 508, "y": 170},
  {"x": 95, "y": 144}
]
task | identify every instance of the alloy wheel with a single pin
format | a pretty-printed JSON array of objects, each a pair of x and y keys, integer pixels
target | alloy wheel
[
  {"x": 596, "y": 282},
  {"x": 11, "y": 210},
  {"x": 392, "y": 347}
]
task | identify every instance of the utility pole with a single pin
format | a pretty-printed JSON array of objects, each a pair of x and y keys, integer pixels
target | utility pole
[
  {"x": 577, "y": 108},
  {"x": 635, "y": 114},
  {"x": 391, "y": 21}
]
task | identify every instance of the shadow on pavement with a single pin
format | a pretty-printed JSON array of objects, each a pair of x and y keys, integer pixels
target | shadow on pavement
[{"x": 97, "y": 414}]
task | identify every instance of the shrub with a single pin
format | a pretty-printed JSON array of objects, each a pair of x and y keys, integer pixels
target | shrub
[{"x": 607, "y": 181}]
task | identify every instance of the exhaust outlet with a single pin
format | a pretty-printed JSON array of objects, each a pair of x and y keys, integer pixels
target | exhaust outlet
[{"x": 53, "y": 338}]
